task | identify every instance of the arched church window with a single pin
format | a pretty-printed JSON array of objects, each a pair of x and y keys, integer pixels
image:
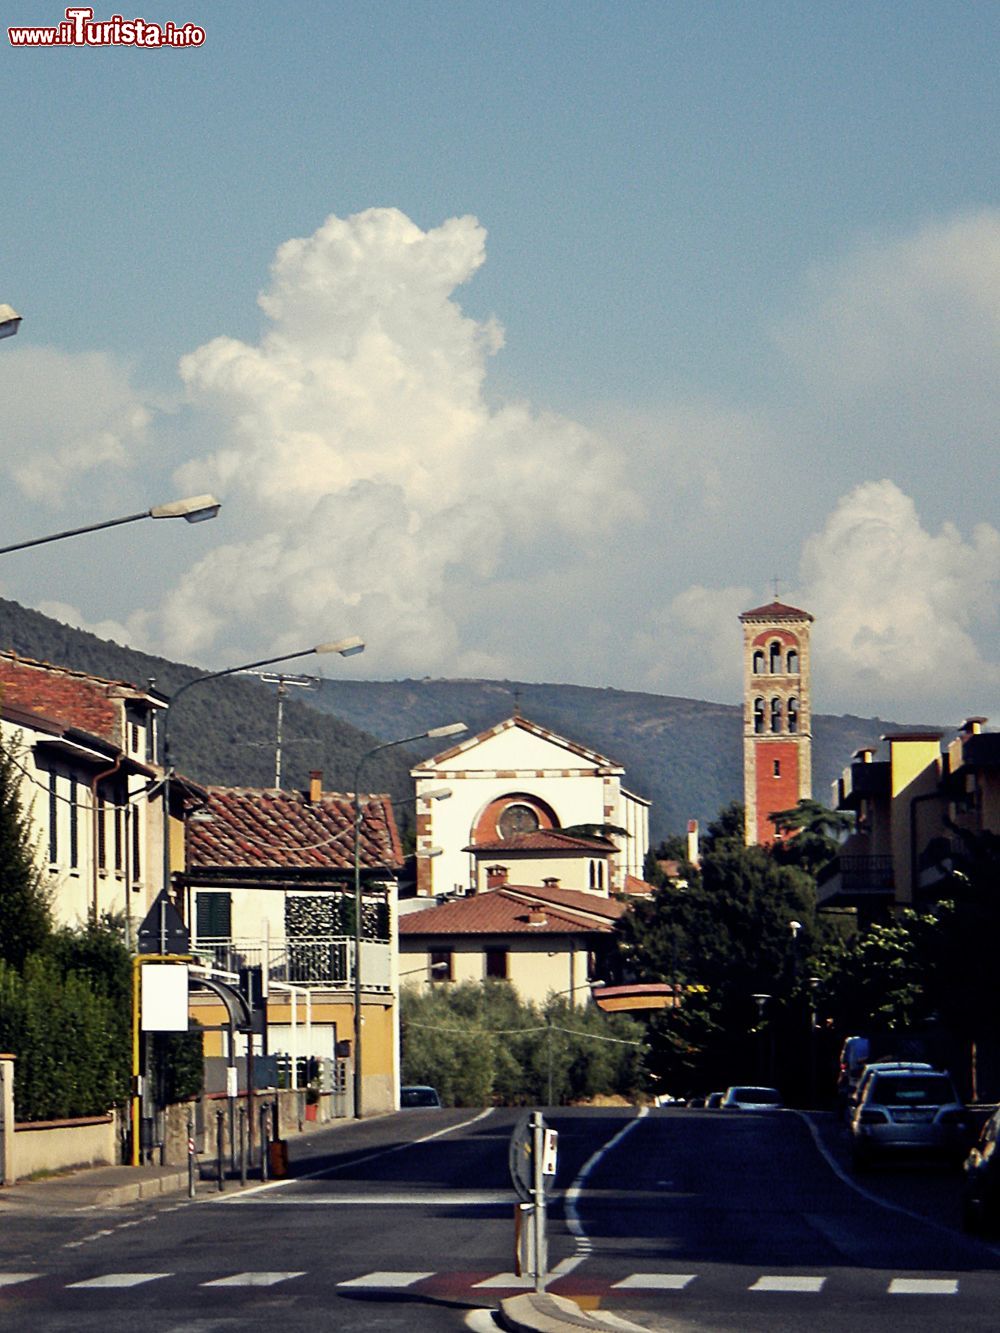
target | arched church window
[
  {"x": 518, "y": 818},
  {"x": 758, "y": 662},
  {"x": 793, "y": 662},
  {"x": 775, "y": 658},
  {"x": 775, "y": 714},
  {"x": 793, "y": 715},
  {"x": 758, "y": 716}
]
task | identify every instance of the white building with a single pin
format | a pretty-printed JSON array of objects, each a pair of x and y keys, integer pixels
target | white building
[{"x": 516, "y": 778}]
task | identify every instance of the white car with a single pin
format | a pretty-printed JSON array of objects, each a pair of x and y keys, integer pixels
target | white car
[{"x": 743, "y": 1097}]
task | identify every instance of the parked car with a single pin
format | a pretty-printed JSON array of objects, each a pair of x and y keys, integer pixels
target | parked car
[
  {"x": 418, "y": 1094},
  {"x": 884, "y": 1066},
  {"x": 908, "y": 1111},
  {"x": 714, "y": 1100},
  {"x": 743, "y": 1097},
  {"x": 854, "y": 1054},
  {"x": 981, "y": 1179}
]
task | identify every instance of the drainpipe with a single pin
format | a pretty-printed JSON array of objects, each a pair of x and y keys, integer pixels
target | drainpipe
[{"x": 98, "y": 777}]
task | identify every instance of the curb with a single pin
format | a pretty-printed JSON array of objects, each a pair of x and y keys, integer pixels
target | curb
[{"x": 541, "y": 1312}]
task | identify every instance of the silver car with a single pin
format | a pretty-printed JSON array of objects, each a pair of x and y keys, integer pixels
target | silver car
[{"x": 908, "y": 1110}]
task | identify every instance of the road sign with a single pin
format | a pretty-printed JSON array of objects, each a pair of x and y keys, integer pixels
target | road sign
[
  {"x": 163, "y": 931},
  {"x": 521, "y": 1159}
]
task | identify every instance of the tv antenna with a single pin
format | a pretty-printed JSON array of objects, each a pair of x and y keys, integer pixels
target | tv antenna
[{"x": 282, "y": 680}]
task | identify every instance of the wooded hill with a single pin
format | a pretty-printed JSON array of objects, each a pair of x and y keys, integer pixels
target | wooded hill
[{"x": 684, "y": 755}]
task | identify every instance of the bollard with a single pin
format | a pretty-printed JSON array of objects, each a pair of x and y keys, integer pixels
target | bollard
[
  {"x": 220, "y": 1117},
  {"x": 243, "y": 1145},
  {"x": 191, "y": 1156}
]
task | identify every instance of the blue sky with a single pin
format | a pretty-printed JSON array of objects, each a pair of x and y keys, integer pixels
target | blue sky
[{"x": 725, "y": 307}]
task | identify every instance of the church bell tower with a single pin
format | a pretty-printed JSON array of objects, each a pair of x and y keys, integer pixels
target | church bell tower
[{"x": 777, "y": 715}]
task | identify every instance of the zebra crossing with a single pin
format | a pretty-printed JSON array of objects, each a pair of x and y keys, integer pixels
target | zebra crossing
[{"x": 392, "y": 1280}]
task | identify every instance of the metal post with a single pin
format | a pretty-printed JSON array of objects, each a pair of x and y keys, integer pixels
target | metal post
[
  {"x": 264, "y": 1113},
  {"x": 537, "y": 1149},
  {"x": 220, "y": 1120}
]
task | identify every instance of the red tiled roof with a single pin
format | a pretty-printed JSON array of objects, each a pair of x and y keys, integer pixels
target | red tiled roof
[
  {"x": 776, "y": 611},
  {"x": 542, "y": 840},
  {"x": 500, "y": 912},
  {"x": 638, "y": 888},
  {"x": 577, "y": 900},
  {"x": 71, "y": 697},
  {"x": 255, "y": 827}
]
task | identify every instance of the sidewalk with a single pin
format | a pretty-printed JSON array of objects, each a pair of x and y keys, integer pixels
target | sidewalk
[{"x": 94, "y": 1187}]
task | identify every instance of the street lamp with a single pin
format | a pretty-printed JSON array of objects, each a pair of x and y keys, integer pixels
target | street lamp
[
  {"x": 451, "y": 729},
  {"x": 194, "y": 509},
  {"x": 761, "y": 1003},
  {"x": 10, "y": 321},
  {"x": 345, "y": 647}
]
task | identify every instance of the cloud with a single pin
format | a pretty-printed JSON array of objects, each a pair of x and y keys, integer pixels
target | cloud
[
  {"x": 359, "y": 448},
  {"x": 66, "y": 417},
  {"x": 903, "y": 615}
]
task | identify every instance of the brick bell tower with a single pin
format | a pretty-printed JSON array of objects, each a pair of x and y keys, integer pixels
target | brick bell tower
[{"x": 777, "y": 715}]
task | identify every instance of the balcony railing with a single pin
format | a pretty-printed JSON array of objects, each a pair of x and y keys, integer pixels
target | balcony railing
[
  {"x": 321, "y": 961},
  {"x": 856, "y": 877}
]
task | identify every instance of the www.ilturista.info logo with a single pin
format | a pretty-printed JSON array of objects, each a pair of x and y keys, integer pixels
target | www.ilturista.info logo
[{"x": 79, "y": 28}]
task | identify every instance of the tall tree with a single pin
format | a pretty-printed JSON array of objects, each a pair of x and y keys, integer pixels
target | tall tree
[
  {"x": 25, "y": 912},
  {"x": 812, "y": 834}
]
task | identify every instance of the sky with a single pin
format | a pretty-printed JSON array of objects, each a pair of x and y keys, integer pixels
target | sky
[{"x": 530, "y": 341}]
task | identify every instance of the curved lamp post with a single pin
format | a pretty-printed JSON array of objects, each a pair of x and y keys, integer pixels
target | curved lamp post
[
  {"x": 193, "y": 509},
  {"x": 345, "y": 647},
  {"x": 451, "y": 729}
]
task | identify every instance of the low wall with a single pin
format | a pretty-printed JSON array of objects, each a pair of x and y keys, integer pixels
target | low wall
[
  {"x": 296, "y": 1113},
  {"x": 60, "y": 1145}
]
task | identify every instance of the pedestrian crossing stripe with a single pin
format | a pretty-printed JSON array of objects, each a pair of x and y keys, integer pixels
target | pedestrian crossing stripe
[
  {"x": 654, "y": 1282},
  {"x": 11, "y": 1279},
  {"x": 252, "y": 1279},
  {"x": 775, "y": 1283},
  {"x": 119, "y": 1280},
  {"x": 386, "y": 1280},
  {"x": 923, "y": 1286}
]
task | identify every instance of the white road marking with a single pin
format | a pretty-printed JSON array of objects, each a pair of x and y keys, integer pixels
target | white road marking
[
  {"x": 381, "y": 1280},
  {"x": 119, "y": 1280},
  {"x": 430, "y": 1198},
  {"x": 923, "y": 1286},
  {"x": 11, "y": 1279},
  {"x": 655, "y": 1282},
  {"x": 776, "y": 1283},
  {"x": 481, "y": 1321},
  {"x": 507, "y": 1280},
  {"x": 252, "y": 1279}
]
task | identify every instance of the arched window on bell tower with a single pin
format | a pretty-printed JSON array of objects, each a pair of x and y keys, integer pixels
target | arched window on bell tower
[
  {"x": 775, "y": 714},
  {"x": 793, "y": 716},
  {"x": 793, "y": 662},
  {"x": 775, "y": 658},
  {"x": 758, "y": 662},
  {"x": 758, "y": 717}
]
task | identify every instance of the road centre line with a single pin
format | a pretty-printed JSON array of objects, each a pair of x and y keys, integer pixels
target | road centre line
[
  {"x": 357, "y": 1161},
  {"x": 415, "y": 1198},
  {"x": 584, "y": 1245}
]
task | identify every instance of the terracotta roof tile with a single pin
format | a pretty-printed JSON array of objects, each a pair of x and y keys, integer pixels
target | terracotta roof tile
[
  {"x": 572, "y": 899},
  {"x": 499, "y": 912},
  {"x": 543, "y": 840},
  {"x": 260, "y": 827},
  {"x": 776, "y": 611},
  {"x": 71, "y": 697}
]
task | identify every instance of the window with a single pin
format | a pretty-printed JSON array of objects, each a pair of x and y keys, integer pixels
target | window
[
  {"x": 441, "y": 965},
  {"x": 496, "y": 964},
  {"x": 102, "y": 838},
  {"x": 793, "y": 715},
  {"x": 775, "y": 714},
  {"x": 777, "y": 768},
  {"x": 775, "y": 658},
  {"x": 793, "y": 662},
  {"x": 214, "y": 916},
  {"x": 516, "y": 819},
  {"x": 137, "y": 849},
  {"x": 758, "y": 662},
  {"x": 758, "y": 716},
  {"x": 53, "y": 817},
  {"x": 74, "y": 828},
  {"x": 119, "y": 845}
]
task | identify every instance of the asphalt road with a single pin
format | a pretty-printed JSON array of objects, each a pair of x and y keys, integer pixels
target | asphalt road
[{"x": 674, "y": 1219}]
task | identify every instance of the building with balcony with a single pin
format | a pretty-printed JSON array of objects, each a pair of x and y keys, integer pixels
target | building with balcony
[{"x": 268, "y": 896}]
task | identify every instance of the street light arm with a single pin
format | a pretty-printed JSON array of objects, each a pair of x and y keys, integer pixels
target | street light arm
[{"x": 194, "y": 510}]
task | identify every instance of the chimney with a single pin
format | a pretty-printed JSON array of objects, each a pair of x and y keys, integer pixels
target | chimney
[
  {"x": 315, "y": 786},
  {"x": 864, "y": 755},
  {"x": 551, "y": 882},
  {"x": 693, "y": 853},
  {"x": 496, "y": 876},
  {"x": 537, "y": 917},
  {"x": 972, "y": 726}
]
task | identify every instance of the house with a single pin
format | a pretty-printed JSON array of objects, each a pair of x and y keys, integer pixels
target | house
[
  {"x": 519, "y": 778},
  {"x": 544, "y": 941},
  {"x": 84, "y": 746},
  {"x": 910, "y": 807},
  {"x": 268, "y": 895},
  {"x": 544, "y": 856}
]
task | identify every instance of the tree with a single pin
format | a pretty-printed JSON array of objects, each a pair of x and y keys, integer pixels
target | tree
[
  {"x": 811, "y": 834},
  {"x": 25, "y": 911}
]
